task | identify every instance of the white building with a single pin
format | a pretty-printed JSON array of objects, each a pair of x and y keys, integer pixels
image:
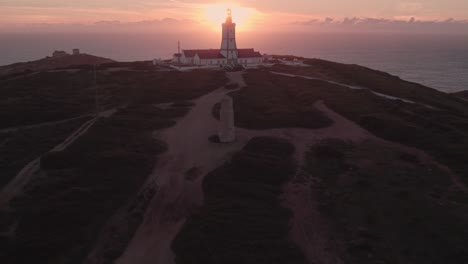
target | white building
[
  {"x": 59, "y": 53},
  {"x": 228, "y": 54}
]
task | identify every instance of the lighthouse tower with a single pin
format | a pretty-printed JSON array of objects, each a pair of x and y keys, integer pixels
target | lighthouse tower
[{"x": 228, "y": 44}]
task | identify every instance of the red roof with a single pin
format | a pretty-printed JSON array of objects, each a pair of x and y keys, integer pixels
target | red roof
[
  {"x": 216, "y": 53},
  {"x": 210, "y": 54},
  {"x": 189, "y": 53},
  {"x": 248, "y": 53},
  {"x": 204, "y": 53}
]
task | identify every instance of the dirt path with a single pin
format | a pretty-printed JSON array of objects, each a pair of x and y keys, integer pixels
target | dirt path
[
  {"x": 189, "y": 148},
  {"x": 302, "y": 138},
  {"x": 309, "y": 229},
  {"x": 15, "y": 186},
  {"x": 52, "y": 123},
  {"x": 351, "y": 87},
  {"x": 177, "y": 197},
  {"x": 105, "y": 113},
  {"x": 2, "y": 72}
]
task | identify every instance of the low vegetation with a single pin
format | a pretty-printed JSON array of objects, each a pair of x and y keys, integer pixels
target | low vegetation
[
  {"x": 45, "y": 97},
  {"x": 13, "y": 145},
  {"x": 50, "y": 63},
  {"x": 242, "y": 220},
  {"x": 462, "y": 94},
  {"x": 65, "y": 206},
  {"x": 442, "y": 133},
  {"x": 51, "y": 96},
  {"x": 269, "y": 102},
  {"x": 63, "y": 210},
  {"x": 377, "y": 81},
  {"x": 164, "y": 86},
  {"x": 387, "y": 206}
]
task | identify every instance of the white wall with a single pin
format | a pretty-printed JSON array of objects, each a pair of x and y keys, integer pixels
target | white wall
[
  {"x": 185, "y": 60},
  {"x": 214, "y": 62},
  {"x": 254, "y": 60}
]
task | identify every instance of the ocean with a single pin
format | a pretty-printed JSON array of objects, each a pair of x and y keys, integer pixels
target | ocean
[{"x": 439, "y": 61}]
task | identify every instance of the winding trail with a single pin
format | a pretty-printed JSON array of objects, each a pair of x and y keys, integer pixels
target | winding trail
[
  {"x": 354, "y": 87},
  {"x": 310, "y": 231},
  {"x": 51, "y": 123},
  {"x": 178, "y": 197},
  {"x": 189, "y": 148},
  {"x": 15, "y": 186}
]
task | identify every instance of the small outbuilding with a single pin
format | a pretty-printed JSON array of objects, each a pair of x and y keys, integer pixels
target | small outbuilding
[{"x": 59, "y": 53}]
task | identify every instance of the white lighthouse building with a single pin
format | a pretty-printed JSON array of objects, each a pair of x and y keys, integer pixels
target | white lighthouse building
[
  {"x": 228, "y": 43},
  {"x": 228, "y": 54}
]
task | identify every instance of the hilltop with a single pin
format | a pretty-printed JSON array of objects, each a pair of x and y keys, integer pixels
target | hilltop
[
  {"x": 50, "y": 63},
  {"x": 462, "y": 94},
  {"x": 333, "y": 163}
]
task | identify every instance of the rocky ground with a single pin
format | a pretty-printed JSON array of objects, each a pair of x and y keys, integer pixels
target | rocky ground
[{"x": 333, "y": 163}]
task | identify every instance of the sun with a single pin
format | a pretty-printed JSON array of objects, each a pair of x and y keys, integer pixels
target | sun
[{"x": 215, "y": 15}]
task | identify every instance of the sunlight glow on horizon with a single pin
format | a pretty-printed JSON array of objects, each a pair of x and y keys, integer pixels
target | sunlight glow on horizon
[
  {"x": 208, "y": 15},
  {"x": 214, "y": 15}
]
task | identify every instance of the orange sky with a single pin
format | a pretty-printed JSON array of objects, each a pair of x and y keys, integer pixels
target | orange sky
[{"x": 267, "y": 15}]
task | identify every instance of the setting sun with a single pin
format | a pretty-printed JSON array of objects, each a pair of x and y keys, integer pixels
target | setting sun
[{"x": 215, "y": 15}]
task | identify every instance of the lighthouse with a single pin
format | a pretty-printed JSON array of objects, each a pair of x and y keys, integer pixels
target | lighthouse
[
  {"x": 228, "y": 44},
  {"x": 228, "y": 54}
]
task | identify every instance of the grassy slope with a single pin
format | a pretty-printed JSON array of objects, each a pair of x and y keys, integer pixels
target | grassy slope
[
  {"x": 152, "y": 87},
  {"x": 269, "y": 102},
  {"x": 45, "y": 97},
  {"x": 388, "y": 206},
  {"x": 63, "y": 210},
  {"x": 52, "y": 63},
  {"x": 241, "y": 220},
  {"x": 36, "y": 141},
  {"x": 462, "y": 94},
  {"x": 51, "y": 96},
  {"x": 377, "y": 81},
  {"x": 393, "y": 208},
  {"x": 444, "y": 134},
  {"x": 271, "y": 98}
]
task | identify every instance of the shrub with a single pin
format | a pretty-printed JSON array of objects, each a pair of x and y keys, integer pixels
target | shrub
[{"x": 242, "y": 220}]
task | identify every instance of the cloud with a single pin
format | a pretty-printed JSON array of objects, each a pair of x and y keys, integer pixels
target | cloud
[
  {"x": 350, "y": 21},
  {"x": 153, "y": 25},
  {"x": 410, "y": 24},
  {"x": 328, "y": 20}
]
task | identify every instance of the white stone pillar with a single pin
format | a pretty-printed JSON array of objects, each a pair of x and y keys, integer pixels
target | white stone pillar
[{"x": 227, "y": 130}]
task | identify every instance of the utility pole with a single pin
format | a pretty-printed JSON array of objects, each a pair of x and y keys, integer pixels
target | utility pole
[
  {"x": 96, "y": 100},
  {"x": 178, "y": 52}
]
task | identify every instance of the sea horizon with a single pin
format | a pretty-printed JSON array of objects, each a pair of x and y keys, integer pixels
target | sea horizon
[{"x": 439, "y": 61}]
